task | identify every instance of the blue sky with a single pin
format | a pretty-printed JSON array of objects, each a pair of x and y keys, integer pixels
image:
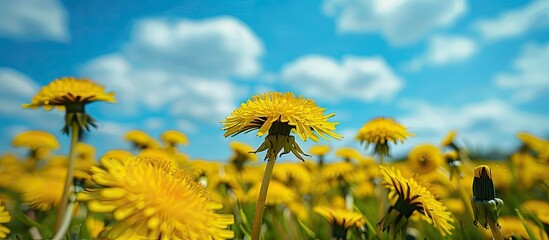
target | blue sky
[{"x": 478, "y": 67}]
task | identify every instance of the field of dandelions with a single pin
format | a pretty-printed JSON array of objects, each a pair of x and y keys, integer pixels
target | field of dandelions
[{"x": 158, "y": 192}]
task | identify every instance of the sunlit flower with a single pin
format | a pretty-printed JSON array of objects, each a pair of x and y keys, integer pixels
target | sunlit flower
[
  {"x": 72, "y": 94},
  {"x": 380, "y": 131},
  {"x": 95, "y": 225},
  {"x": 513, "y": 228},
  {"x": 320, "y": 151},
  {"x": 425, "y": 158},
  {"x": 539, "y": 208},
  {"x": 408, "y": 196},
  {"x": 364, "y": 189},
  {"x": 348, "y": 154},
  {"x": 35, "y": 140},
  {"x": 277, "y": 194},
  {"x": 149, "y": 199},
  {"x": 141, "y": 140},
  {"x": 299, "y": 210},
  {"x": 294, "y": 176},
  {"x": 242, "y": 153},
  {"x": 278, "y": 114},
  {"x": 341, "y": 220},
  {"x": 44, "y": 189},
  {"x": 117, "y": 154},
  {"x": 173, "y": 138},
  {"x": 10, "y": 170},
  {"x": 540, "y": 146},
  {"x": 4, "y": 218}
]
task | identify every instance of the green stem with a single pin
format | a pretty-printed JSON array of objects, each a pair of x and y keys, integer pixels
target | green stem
[
  {"x": 260, "y": 206},
  {"x": 69, "y": 179},
  {"x": 496, "y": 232},
  {"x": 66, "y": 221}
]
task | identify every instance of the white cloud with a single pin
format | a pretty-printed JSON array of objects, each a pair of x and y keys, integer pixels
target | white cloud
[
  {"x": 219, "y": 47},
  {"x": 16, "y": 89},
  {"x": 34, "y": 20},
  {"x": 516, "y": 22},
  {"x": 400, "y": 21},
  {"x": 492, "y": 123},
  {"x": 530, "y": 78},
  {"x": 444, "y": 50},
  {"x": 366, "y": 79},
  {"x": 157, "y": 90}
]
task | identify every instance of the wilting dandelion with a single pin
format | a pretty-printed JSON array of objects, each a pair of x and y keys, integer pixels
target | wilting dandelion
[
  {"x": 4, "y": 218},
  {"x": 72, "y": 95},
  {"x": 407, "y": 196},
  {"x": 150, "y": 199},
  {"x": 379, "y": 132},
  {"x": 278, "y": 115}
]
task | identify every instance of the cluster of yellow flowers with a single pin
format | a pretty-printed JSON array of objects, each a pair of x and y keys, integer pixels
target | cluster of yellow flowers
[{"x": 156, "y": 191}]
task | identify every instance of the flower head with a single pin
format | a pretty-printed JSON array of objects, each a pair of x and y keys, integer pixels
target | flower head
[
  {"x": 348, "y": 154},
  {"x": 278, "y": 114},
  {"x": 539, "y": 208},
  {"x": 72, "y": 94},
  {"x": 318, "y": 150},
  {"x": 449, "y": 138},
  {"x": 4, "y": 218},
  {"x": 44, "y": 189},
  {"x": 425, "y": 158},
  {"x": 277, "y": 193},
  {"x": 35, "y": 140},
  {"x": 341, "y": 219},
  {"x": 408, "y": 196},
  {"x": 380, "y": 131},
  {"x": 141, "y": 140},
  {"x": 242, "y": 153},
  {"x": 173, "y": 137},
  {"x": 151, "y": 199},
  {"x": 513, "y": 228}
]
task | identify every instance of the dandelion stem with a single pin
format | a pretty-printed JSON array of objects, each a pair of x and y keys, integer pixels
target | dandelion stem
[
  {"x": 260, "y": 206},
  {"x": 66, "y": 221},
  {"x": 68, "y": 181},
  {"x": 496, "y": 232}
]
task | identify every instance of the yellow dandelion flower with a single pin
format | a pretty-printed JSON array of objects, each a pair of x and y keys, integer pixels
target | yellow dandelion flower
[
  {"x": 540, "y": 146},
  {"x": 341, "y": 220},
  {"x": 408, "y": 196},
  {"x": 35, "y": 139},
  {"x": 242, "y": 153},
  {"x": 294, "y": 176},
  {"x": 380, "y": 131},
  {"x": 117, "y": 154},
  {"x": 174, "y": 137},
  {"x": 278, "y": 114},
  {"x": 348, "y": 154},
  {"x": 277, "y": 193},
  {"x": 141, "y": 140},
  {"x": 4, "y": 218},
  {"x": 425, "y": 158},
  {"x": 513, "y": 228},
  {"x": 364, "y": 190},
  {"x": 337, "y": 170},
  {"x": 299, "y": 210},
  {"x": 151, "y": 200},
  {"x": 95, "y": 225},
  {"x": 539, "y": 208},
  {"x": 72, "y": 94},
  {"x": 449, "y": 138},
  {"x": 85, "y": 151},
  {"x": 320, "y": 150},
  {"x": 44, "y": 189},
  {"x": 10, "y": 170}
]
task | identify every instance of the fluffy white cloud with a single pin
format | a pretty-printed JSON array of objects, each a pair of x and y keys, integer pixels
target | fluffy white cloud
[
  {"x": 366, "y": 79},
  {"x": 157, "y": 90},
  {"x": 530, "y": 78},
  {"x": 16, "y": 89},
  {"x": 34, "y": 20},
  {"x": 400, "y": 21},
  {"x": 219, "y": 47},
  {"x": 515, "y": 22},
  {"x": 491, "y": 124},
  {"x": 444, "y": 50}
]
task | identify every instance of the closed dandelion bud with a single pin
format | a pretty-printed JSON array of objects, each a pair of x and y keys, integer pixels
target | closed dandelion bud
[{"x": 486, "y": 206}]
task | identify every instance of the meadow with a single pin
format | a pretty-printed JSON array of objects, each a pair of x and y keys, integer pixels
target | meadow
[{"x": 156, "y": 191}]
